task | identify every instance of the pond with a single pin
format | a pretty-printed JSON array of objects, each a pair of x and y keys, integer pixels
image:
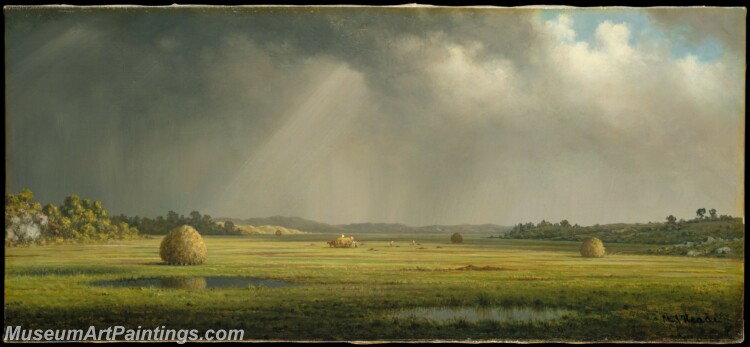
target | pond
[
  {"x": 477, "y": 313},
  {"x": 194, "y": 282}
]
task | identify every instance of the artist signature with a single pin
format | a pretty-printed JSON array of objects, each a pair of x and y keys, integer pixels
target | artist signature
[{"x": 689, "y": 319}]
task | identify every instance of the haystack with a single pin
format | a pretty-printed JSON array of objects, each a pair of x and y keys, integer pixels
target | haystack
[
  {"x": 183, "y": 246},
  {"x": 592, "y": 248}
]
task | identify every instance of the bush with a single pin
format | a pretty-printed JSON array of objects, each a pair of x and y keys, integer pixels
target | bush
[
  {"x": 592, "y": 248},
  {"x": 183, "y": 246},
  {"x": 457, "y": 238}
]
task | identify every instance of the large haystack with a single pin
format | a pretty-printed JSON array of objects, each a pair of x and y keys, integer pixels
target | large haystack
[{"x": 183, "y": 246}]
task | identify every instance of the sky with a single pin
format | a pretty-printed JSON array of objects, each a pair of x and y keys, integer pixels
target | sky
[{"x": 405, "y": 115}]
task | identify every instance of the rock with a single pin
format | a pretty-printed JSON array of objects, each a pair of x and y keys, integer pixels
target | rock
[
  {"x": 723, "y": 250},
  {"x": 693, "y": 253},
  {"x": 709, "y": 240}
]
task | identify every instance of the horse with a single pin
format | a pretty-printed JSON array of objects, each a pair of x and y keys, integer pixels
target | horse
[{"x": 331, "y": 244}]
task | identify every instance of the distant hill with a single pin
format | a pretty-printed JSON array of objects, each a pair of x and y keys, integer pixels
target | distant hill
[
  {"x": 267, "y": 230},
  {"x": 287, "y": 222},
  {"x": 375, "y": 227},
  {"x": 313, "y": 226},
  {"x": 481, "y": 228}
]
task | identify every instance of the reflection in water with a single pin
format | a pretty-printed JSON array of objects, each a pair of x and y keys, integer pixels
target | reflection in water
[
  {"x": 476, "y": 314},
  {"x": 184, "y": 283},
  {"x": 194, "y": 283}
]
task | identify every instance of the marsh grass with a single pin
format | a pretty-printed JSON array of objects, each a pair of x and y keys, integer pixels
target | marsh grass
[{"x": 346, "y": 294}]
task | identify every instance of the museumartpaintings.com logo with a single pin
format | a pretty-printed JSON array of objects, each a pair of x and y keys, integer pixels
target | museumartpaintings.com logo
[{"x": 120, "y": 333}]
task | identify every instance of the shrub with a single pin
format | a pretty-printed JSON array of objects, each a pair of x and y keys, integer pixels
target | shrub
[
  {"x": 278, "y": 232},
  {"x": 183, "y": 246},
  {"x": 457, "y": 238},
  {"x": 592, "y": 248}
]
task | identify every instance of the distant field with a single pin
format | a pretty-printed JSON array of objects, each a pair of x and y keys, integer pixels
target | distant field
[
  {"x": 351, "y": 294},
  {"x": 264, "y": 229}
]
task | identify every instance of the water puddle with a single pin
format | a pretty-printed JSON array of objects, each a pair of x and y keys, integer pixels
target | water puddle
[
  {"x": 195, "y": 282},
  {"x": 477, "y": 314}
]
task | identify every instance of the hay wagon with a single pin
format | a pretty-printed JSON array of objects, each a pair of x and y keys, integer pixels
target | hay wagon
[{"x": 343, "y": 242}]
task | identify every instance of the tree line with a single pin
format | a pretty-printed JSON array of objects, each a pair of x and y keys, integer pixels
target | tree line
[
  {"x": 700, "y": 215},
  {"x": 706, "y": 223},
  {"x": 75, "y": 220},
  {"x": 161, "y": 225},
  {"x": 84, "y": 220}
]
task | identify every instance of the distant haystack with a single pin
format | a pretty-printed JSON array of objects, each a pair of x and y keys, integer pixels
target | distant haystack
[
  {"x": 183, "y": 246},
  {"x": 592, "y": 248},
  {"x": 457, "y": 238}
]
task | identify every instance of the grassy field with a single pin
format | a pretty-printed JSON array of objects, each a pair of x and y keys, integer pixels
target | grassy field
[{"x": 351, "y": 294}]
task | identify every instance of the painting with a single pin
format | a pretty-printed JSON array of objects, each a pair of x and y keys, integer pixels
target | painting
[{"x": 374, "y": 174}]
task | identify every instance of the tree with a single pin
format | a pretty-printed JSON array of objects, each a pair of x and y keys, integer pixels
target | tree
[
  {"x": 173, "y": 217},
  {"x": 713, "y": 213},
  {"x": 26, "y": 195},
  {"x": 207, "y": 220},
  {"x": 229, "y": 226},
  {"x": 565, "y": 224},
  {"x": 700, "y": 213},
  {"x": 671, "y": 219},
  {"x": 457, "y": 238},
  {"x": 195, "y": 216},
  {"x": 98, "y": 209},
  {"x": 88, "y": 217},
  {"x": 66, "y": 227},
  {"x": 88, "y": 231},
  {"x": 71, "y": 206},
  {"x": 53, "y": 218}
]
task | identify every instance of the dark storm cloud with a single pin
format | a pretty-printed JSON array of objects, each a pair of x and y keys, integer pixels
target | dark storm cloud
[{"x": 404, "y": 115}]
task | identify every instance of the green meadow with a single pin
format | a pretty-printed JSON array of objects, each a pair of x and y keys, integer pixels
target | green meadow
[{"x": 352, "y": 294}]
